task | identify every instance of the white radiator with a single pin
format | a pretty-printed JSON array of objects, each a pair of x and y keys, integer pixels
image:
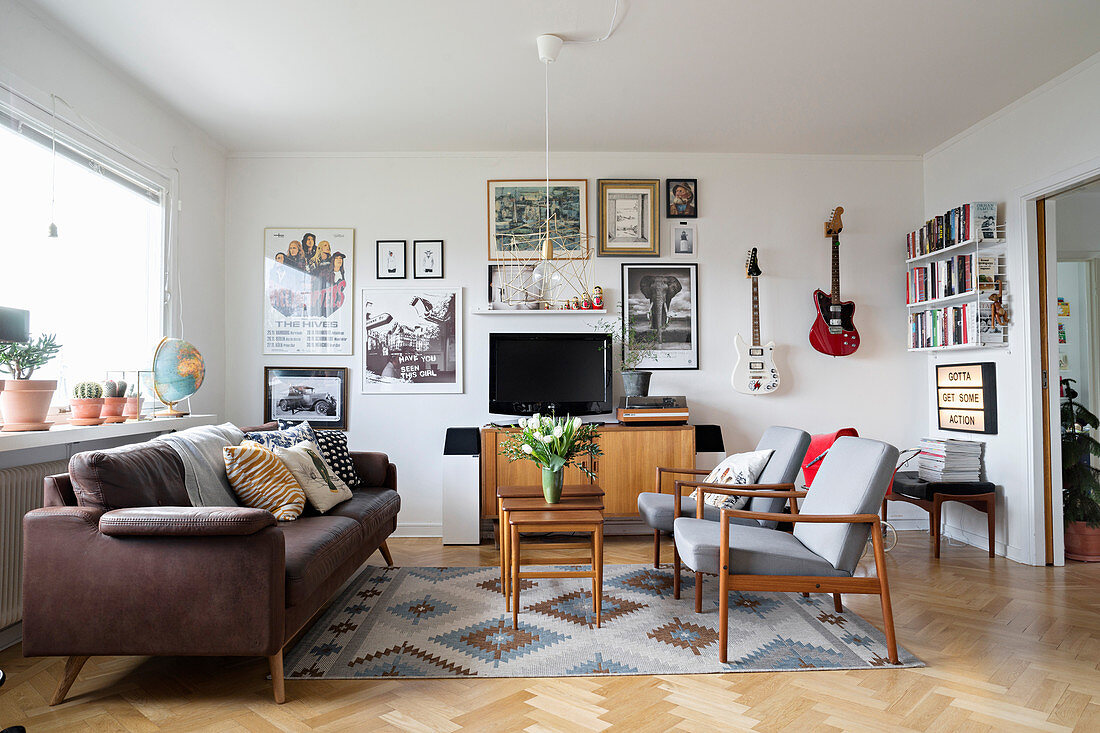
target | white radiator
[{"x": 20, "y": 491}]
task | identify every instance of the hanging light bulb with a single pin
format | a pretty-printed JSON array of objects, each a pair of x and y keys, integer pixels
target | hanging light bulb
[{"x": 53, "y": 167}]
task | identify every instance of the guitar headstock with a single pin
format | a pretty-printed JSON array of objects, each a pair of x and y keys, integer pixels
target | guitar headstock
[
  {"x": 834, "y": 226},
  {"x": 752, "y": 267}
]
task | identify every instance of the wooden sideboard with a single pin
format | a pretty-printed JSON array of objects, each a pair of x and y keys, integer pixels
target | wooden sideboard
[{"x": 627, "y": 467}]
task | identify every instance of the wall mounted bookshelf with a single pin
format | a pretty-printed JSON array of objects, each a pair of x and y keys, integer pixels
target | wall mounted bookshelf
[{"x": 954, "y": 263}]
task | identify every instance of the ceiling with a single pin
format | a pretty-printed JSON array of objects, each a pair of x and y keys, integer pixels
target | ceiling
[{"x": 745, "y": 76}]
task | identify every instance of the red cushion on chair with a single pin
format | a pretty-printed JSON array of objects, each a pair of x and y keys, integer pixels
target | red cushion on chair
[{"x": 819, "y": 446}]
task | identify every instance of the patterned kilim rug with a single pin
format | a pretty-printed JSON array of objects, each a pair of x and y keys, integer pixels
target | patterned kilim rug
[{"x": 451, "y": 622}]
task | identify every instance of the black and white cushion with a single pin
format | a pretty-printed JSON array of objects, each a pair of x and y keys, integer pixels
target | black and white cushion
[{"x": 334, "y": 447}]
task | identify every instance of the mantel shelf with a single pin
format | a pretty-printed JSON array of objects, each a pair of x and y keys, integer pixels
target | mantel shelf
[{"x": 589, "y": 312}]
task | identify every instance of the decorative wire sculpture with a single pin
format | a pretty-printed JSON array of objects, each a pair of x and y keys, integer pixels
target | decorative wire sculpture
[{"x": 541, "y": 279}]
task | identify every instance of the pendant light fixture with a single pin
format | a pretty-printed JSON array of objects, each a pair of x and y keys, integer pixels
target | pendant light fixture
[{"x": 53, "y": 166}]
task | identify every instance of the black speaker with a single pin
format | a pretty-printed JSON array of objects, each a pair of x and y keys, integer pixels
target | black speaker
[
  {"x": 462, "y": 442},
  {"x": 708, "y": 439},
  {"x": 15, "y": 325}
]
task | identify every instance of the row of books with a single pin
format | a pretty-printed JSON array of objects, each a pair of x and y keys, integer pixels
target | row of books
[
  {"x": 949, "y": 460},
  {"x": 950, "y": 276},
  {"x": 954, "y": 325},
  {"x": 976, "y": 221}
]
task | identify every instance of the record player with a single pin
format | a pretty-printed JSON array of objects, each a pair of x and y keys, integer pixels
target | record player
[{"x": 670, "y": 410}]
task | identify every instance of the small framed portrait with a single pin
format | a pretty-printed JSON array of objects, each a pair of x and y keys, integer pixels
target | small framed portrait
[
  {"x": 682, "y": 198},
  {"x": 629, "y": 218},
  {"x": 391, "y": 259},
  {"x": 427, "y": 259},
  {"x": 294, "y": 394},
  {"x": 684, "y": 240}
]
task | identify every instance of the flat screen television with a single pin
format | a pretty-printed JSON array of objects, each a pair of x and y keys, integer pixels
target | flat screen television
[{"x": 564, "y": 373}]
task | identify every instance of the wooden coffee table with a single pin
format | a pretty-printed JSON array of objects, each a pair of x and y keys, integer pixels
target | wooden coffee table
[{"x": 556, "y": 520}]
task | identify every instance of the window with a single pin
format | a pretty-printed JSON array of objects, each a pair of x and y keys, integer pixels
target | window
[{"x": 99, "y": 284}]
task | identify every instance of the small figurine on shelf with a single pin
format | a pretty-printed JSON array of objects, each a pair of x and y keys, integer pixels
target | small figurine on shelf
[
  {"x": 575, "y": 304},
  {"x": 597, "y": 297},
  {"x": 999, "y": 316},
  {"x": 586, "y": 304}
]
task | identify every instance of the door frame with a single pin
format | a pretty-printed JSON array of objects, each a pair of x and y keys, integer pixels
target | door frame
[{"x": 1044, "y": 514}]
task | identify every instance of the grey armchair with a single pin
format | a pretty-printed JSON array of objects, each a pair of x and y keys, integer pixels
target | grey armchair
[
  {"x": 830, "y": 533},
  {"x": 659, "y": 510}
]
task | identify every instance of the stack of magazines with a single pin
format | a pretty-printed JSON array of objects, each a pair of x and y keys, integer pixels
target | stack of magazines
[{"x": 950, "y": 460}]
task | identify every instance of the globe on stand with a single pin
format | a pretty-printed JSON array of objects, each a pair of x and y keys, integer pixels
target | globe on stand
[{"x": 178, "y": 371}]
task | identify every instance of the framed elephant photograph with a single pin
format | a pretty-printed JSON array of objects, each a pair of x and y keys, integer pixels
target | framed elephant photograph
[{"x": 660, "y": 308}]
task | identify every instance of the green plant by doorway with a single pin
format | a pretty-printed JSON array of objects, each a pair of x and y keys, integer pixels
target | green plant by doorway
[{"x": 1080, "y": 480}]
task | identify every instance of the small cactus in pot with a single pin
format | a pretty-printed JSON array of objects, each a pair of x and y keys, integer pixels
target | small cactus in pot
[
  {"x": 132, "y": 410},
  {"x": 87, "y": 404},
  {"x": 114, "y": 400}
]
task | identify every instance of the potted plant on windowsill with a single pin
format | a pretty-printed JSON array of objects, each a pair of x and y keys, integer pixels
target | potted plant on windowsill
[
  {"x": 1080, "y": 480},
  {"x": 25, "y": 402},
  {"x": 633, "y": 349},
  {"x": 553, "y": 443},
  {"x": 87, "y": 404},
  {"x": 114, "y": 400}
]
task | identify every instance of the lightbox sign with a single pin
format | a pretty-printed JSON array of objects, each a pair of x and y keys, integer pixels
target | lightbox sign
[{"x": 966, "y": 397}]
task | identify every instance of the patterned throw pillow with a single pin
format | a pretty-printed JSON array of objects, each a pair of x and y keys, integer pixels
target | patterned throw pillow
[
  {"x": 283, "y": 438},
  {"x": 262, "y": 481},
  {"x": 739, "y": 468},
  {"x": 323, "y": 487},
  {"x": 334, "y": 447}
]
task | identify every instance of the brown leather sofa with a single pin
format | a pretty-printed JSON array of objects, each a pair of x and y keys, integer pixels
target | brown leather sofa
[{"x": 119, "y": 563}]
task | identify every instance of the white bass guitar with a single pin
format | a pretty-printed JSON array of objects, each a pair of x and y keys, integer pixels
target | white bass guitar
[{"x": 755, "y": 372}]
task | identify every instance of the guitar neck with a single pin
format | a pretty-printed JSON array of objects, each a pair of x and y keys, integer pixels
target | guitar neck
[
  {"x": 835, "y": 296},
  {"x": 755, "y": 314}
]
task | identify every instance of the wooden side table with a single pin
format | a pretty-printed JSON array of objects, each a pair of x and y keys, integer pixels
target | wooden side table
[
  {"x": 589, "y": 521},
  {"x": 984, "y": 502}
]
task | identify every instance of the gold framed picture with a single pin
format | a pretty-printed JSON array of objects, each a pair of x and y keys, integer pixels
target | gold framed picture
[
  {"x": 629, "y": 218},
  {"x": 517, "y": 214}
]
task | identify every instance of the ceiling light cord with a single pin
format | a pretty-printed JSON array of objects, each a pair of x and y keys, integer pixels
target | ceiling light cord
[
  {"x": 610, "y": 28},
  {"x": 546, "y": 125}
]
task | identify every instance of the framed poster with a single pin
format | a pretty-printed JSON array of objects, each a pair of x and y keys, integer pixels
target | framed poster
[
  {"x": 412, "y": 340},
  {"x": 294, "y": 394},
  {"x": 629, "y": 219},
  {"x": 427, "y": 259},
  {"x": 517, "y": 212},
  {"x": 660, "y": 302},
  {"x": 682, "y": 198},
  {"x": 307, "y": 290},
  {"x": 390, "y": 256},
  {"x": 685, "y": 240}
]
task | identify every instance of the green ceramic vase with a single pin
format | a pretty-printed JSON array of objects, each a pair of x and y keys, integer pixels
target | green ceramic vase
[{"x": 551, "y": 484}]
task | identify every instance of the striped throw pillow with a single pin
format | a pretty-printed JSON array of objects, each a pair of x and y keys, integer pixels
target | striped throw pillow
[{"x": 262, "y": 481}]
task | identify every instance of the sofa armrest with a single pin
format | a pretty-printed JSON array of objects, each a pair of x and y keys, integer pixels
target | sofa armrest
[
  {"x": 184, "y": 521},
  {"x": 88, "y": 593},
  {"x": 375, "y": 469}
]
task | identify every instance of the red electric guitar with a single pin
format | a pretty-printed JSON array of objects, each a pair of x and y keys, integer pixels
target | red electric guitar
[{"x": 833, "y": 332}]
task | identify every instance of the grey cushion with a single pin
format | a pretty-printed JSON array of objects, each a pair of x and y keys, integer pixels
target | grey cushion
[
  {"x": 656, "y": 510},
  {"x": 853, "y": 479},
  {"x": 753, "y": 550},
  {"x": 789, "y": 446}
]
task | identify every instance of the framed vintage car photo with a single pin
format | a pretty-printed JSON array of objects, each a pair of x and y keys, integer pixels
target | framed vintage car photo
[{"x": 294, "y": 394}]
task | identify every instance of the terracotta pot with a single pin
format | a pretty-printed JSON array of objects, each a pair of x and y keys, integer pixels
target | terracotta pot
[
  {"x": 112, "y": 409},
  {"x": 1082, "y": 542},
  {"x": 86, "y": 410},
  {"x": 25, "y": 403},
  {"x": 130, "y": 412}
]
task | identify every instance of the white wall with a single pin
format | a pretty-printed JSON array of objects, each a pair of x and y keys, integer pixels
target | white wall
[
  {"x": 776, "y": 203},
  {"x": 39, "y": 60},
  {"x": 1049, "y": 131}
]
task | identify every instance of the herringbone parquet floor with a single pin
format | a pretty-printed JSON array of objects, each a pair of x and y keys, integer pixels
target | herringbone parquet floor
[{"x": 1008, "y": 647}]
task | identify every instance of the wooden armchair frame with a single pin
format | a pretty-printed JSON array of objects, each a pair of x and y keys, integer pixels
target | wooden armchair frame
[
  {"x": 803, "y": 583},
  {"x": 768, "y": 491},
  {"x": 661, "y": 471}
]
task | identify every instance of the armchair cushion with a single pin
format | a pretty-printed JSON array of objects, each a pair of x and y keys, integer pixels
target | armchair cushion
[
  {"x": 754, "y": 550},
  {"x": 738, "y": 468},
  {"x": 657, "y": 510},
  {"x": 184, "y": 521},
  {"x": 789, "y": 446},
  {"x": 373, "y": 508}
]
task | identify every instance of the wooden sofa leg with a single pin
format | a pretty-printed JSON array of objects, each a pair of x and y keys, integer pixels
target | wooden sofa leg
[
  {"x": 276, "y": 664},
  {"x": 838, "y": 606},
  {"x": 386, "y": 554},
  {"x": 656, "y": 548},
  {"x": 72, "y": 669}
]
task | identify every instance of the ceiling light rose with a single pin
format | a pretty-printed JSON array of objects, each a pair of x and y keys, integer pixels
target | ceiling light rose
[{"x": 549, "y": 47}]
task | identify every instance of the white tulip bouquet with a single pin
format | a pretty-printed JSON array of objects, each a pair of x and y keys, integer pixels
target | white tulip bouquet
[{"x": 553, "y": 442}]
